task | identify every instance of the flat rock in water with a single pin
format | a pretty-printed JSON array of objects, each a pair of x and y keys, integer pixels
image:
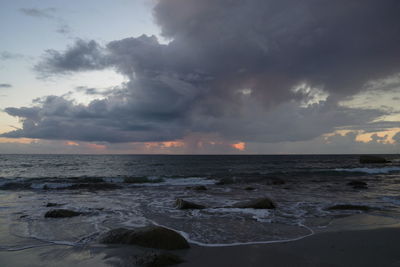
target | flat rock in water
[
  {"x": 61, "y": 213},
  {"x": 187, "y": 205},
  {"x": 373, "y": 159},
  {"x": 151, "y": 237},
  {"x": 260, "y": 203},
  {"x": 349, "y": 207}
]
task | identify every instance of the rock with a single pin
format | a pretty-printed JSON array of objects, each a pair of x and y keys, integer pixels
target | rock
[
  {"x": 249, "y": 188},
  {"x": 350, "y": 207},
  {"x": 356, "y": 184},
  {"x": 150, "y": 236},
  {"x": 186, "y": 205},
  {"x": 158, "y": 259},
  {"x": 225, "y": 181},
  {"x": 50, "y": 204},
  {"x": 261, "y": 203},
  {"x": 199, "y": 188},
  {"x": 277, "y": 181},
  {"x": 61, "y": 213},
  {"x": 372, "y": 159}
]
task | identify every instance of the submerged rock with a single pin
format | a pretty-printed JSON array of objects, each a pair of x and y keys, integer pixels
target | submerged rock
[
  {"x": 356, "y": 184},
  {"x": 373, "y": 159},
  {"x": 157, "y": 259},
  {"x": 61, "y": 213},
  {"x": 186, "y": 205},
  {"x": 150, "y": 236},
  {"x": 260, "y": 203},
  {"x": 349, "y": 207}
]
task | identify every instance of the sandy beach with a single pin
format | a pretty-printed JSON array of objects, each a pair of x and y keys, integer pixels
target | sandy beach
[{"x": 377, "y": 247}]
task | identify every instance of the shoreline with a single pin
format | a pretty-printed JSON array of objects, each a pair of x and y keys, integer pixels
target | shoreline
[{"x": 372, "y": 247}]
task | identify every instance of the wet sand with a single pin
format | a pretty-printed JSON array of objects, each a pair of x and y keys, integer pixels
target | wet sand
[{"x": 378, "y": 247}]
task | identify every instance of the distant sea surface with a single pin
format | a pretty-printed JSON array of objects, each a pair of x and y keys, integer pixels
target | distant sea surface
[{"x": 136, "y": 190}]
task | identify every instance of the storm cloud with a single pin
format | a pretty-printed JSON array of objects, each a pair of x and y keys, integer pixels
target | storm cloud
[{"x": 258, "y": 70}]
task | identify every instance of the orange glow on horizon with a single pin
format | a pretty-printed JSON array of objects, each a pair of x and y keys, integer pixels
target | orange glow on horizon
[
  {"x": 167, "y": 144},
  {"x": 239, "y": 146},
  {"x": 71, "y": 143},
  {"x": 96, "y": 146},
  {"x": 17, "y": 140}
]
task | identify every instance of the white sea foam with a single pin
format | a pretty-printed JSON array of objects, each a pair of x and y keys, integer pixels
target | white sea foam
[
  {"x": 187, "y": 237},
  {"x": 258, "y": 214},
  {"x": 181, "y": 182}
]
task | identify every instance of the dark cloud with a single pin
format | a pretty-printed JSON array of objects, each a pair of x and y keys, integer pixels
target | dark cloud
[
  {"x": 82, "y": 56},
  {"x": 5, "y": 85},
  {"x": 258, "y": 70}
]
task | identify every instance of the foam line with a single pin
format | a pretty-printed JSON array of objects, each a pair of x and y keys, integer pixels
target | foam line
[{"x": 186, "y": 236}]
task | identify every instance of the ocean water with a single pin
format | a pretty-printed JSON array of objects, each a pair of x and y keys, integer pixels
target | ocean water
[{"x": 137, "y": 190}]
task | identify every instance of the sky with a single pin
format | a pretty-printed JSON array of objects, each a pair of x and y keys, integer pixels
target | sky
[{"x": 200, "y": 76}]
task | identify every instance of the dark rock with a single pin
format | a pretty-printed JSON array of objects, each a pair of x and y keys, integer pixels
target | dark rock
[
  {"x": 225, "y": 181},
  {"x": 158, "y": 259},
  {"x": 151, "y": 237},
  {"x": 356, "y": 184},
  {"x": 350, "y": 207},
  {"x": 50, "y": 204},
  {"x": 199, "y": 188},
  {"x": 249, "y": 188},
  {"x": 61, "y": 213},
  {"x": 261, "y": 203},
  {"x": 277, "y": 181},
  {"x": 372, "y": 159},
  {"x": 185, "y": 205}
]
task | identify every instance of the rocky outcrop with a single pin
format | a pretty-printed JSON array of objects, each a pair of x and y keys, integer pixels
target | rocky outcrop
[
  {"x": 151, "y": 237},
  {"x": 260, "y": 203},
  {"x": 62, "y": 213},
  {"x": 187, "y": 205},
  {"x": 372, "y": 159}
]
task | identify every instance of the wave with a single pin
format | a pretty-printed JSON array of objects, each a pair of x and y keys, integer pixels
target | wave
[
  {"x": 98, "y": 183},
  {"x": 383, "y": 170}
]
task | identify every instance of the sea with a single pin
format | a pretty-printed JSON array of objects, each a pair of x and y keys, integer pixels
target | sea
[{"x": 137, "y": 190}]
